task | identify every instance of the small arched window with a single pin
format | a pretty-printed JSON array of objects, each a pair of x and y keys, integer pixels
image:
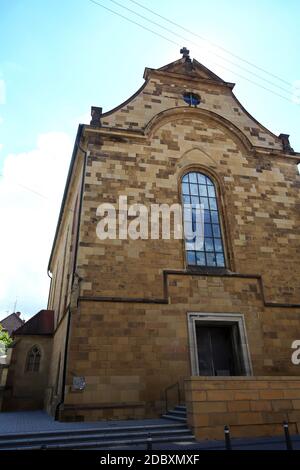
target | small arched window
[
  {"x": 197, "y": 188},
  {"x": 33, "y": 360}
]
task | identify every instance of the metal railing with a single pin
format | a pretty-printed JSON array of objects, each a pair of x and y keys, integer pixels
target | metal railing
[{"x": 167, "y": 390}]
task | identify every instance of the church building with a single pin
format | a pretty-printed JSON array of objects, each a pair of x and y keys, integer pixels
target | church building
[{"x": 136, "y": 322}]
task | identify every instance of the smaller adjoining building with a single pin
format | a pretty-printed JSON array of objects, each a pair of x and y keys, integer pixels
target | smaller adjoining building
[
  {"x": 4, "y": 367},
  {"x": 12, "y": 322},
  {"x": 31, "y": 351}
]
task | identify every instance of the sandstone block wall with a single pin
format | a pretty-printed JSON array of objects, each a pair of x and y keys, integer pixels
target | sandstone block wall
[{"x": 251, "y": 406}]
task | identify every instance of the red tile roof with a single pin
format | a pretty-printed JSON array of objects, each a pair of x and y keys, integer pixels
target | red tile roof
[{"x": 40, "y": 324}]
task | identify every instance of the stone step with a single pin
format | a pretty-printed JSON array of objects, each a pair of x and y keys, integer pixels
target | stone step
[
  {"x": 180, "y": 408},
  {"x": 174, "y": 418},
  {"x": 175, "y": 412},
  {"x": 86, "y": 431},
  {"x": 96, "y": 444},
  {"x": 99, "y": 442},
  {"x": 186, "y": 438},
  {"x": 99, "y": 437},
  {"x": 105, "y": 436},
  {"x": 178, "y": 413}
]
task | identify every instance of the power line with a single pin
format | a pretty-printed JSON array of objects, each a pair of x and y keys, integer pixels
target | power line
[
  {"x": 178, "y": 44},
  {"x": 25, "y": 187},
  {"x": 198, "y": 45},
  {"x": 33, "y": 191},
  {"x": 134, "y": 22},
  {"x": 212, "y": 43},
  {"x": 256, "y": 84}
]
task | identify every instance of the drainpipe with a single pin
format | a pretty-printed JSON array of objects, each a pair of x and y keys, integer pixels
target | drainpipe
[
  {"x": 73, "y": 276},
  {"x": 48, "y": 273}
]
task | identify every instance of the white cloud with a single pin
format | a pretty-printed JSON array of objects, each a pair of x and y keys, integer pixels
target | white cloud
[
  {"x": 2, "y": 91},
  {"x": 30, "y": 194}
]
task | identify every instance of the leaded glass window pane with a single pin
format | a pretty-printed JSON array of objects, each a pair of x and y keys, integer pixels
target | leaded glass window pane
[
  {"x": 204, "y": 201},
  {"x": 198, "y": 188},
  {"x": 211, "y": 191},
  {"x": 211, "y": 259},
  {"x": 200, "y": 258},
  {"x": 207, "y": 230},
  {"x": 207, "y": 217},
  {"x": 201, "y": 178},
  {"x": 203, "y": 190},
  {"x": 185, "y": 188},
  {"x": 186, "y": 199},
  {"x": 191, "y": 256},
  {"x": 213, "y": 204},
  {"x": 194, "y": 189},
  {"x": 193, "y": 177},
  {"x": 214, "y": 217}
]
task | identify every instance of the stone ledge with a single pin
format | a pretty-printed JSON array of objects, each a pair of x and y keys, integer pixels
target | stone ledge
[
  {"x": 242, "y": 378},
  {"x": 99, "y": 406}
]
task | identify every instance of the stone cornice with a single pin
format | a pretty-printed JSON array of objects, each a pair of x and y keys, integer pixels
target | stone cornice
[
  {"x": 175, "y": 113},
  {"x": 185, "y": 78},
  {"x": 111, "y": 132},
  {"x": 223, "y": 273}
]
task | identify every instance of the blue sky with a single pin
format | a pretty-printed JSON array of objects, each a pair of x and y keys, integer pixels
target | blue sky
[{"x": 60, "y": 57}]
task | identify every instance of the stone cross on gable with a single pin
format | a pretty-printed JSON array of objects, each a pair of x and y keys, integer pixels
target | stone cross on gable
[{"x": 185, "y": 53}]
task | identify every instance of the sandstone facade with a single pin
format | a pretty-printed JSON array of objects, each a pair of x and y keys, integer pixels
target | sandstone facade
[{"x": 123, "y": 308}]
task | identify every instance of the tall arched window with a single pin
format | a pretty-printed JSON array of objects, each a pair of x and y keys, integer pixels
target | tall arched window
[
  {"x": 33, "y": 360},
  {"x": 197, "y": 188}
]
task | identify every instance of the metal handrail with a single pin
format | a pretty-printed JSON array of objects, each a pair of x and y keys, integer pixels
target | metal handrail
[{"x": 166, "y": 394}]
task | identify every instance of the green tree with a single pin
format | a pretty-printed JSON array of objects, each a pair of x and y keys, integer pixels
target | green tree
[{"x": 5, "y": 338}]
